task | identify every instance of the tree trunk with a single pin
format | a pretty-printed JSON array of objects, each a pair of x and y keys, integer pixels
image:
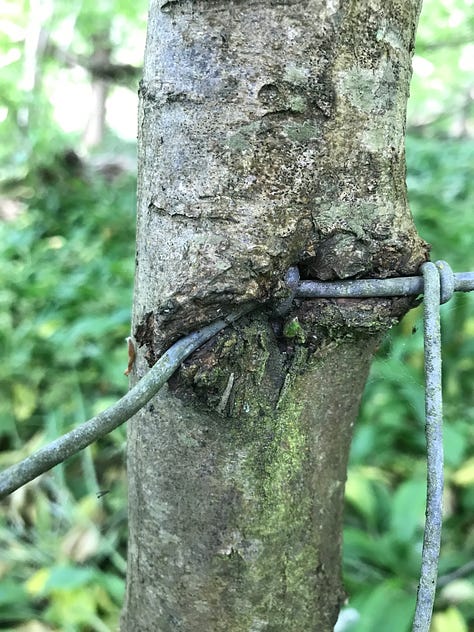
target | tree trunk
[{"x": 271, "y": 135}]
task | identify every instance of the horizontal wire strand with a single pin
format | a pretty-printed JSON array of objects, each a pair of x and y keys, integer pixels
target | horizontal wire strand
[{"x": 359, "y": 288}]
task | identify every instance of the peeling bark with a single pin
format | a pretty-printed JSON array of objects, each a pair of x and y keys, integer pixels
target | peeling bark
[{"x": 271, "y": 134}]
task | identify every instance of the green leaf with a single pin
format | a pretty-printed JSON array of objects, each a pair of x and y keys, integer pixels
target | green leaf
[
  {"x": 408, "y": 509},
  {"x": 14, "y": 601},
  {"x": 388, "y": 607},
  {"x": 68, "y": 578},
  {"x": 455, "y": 444},
  {"x": 451, "y": 620},
  {"x": 360, "y": 494},
  {"x": 24, "y": 400}
]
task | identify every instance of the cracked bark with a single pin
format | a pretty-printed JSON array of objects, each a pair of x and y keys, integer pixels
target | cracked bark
[{"x": 271, "y": 134}]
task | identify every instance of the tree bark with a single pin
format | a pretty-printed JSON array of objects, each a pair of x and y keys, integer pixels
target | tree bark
[{"x": 271, "y": 134}]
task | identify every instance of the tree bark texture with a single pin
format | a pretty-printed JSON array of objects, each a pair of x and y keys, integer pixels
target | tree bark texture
[{"x": 271, "y": 134}]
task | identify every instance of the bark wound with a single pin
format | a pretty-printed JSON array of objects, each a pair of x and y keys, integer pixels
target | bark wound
[
  {"x": 145, "y": 334},
  {"x": 242, "y": 360}
]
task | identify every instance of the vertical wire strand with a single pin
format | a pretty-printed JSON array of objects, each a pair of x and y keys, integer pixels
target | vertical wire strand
[{"x": 434, "y": 447}]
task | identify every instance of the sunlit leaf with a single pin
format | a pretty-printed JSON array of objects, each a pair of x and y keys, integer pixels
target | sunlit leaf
[
  {"x": 451, "y": 620},
  {"x": 464, "y": 476},
  {"x": 36, "y": 585},
  {"x": 72, "y": 605},
  {"x": 458, "y": 591},
  {"x": 408, "y": 509},
  {"x": 24, "y": 400}
]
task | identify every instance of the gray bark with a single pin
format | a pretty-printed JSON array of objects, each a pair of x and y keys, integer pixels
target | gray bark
[{"x": 271, "y": 134}]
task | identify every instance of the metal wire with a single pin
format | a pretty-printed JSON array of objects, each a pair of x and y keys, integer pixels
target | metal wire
[
  {"x": 437, "y": 284},
  {"x": 432, "y": 275},
  {"x": 86, "y": 433},
  {"x": 397, "y": 286}
]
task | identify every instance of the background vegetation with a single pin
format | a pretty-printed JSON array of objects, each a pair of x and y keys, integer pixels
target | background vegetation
[{"x": 67, "y": 231}]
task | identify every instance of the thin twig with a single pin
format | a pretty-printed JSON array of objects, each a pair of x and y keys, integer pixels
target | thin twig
[{"x": 464, "y": 570}]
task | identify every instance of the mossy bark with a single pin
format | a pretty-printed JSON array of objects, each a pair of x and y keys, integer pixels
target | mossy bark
[
  {"x": 236, "y": 496},
  {"x": 271, "y": 135}
]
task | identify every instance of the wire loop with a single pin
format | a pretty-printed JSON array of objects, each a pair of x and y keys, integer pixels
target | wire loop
[
  {"x": 292, "y": 279},
  {"x": 447, "y": 280}
]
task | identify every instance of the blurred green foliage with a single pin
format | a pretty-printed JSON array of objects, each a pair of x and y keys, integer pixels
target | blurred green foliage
[
  {"x": 65, "y": 304},
  {"x": 65, "y": 301},
  {"x": 67, "y": 228}
]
